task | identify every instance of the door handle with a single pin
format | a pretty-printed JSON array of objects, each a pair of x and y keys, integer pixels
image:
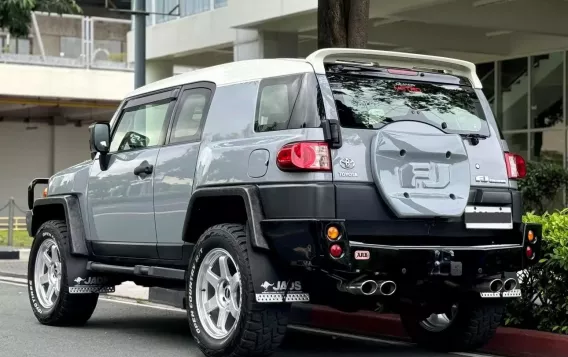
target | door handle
[{"x": 143, "y": 169}]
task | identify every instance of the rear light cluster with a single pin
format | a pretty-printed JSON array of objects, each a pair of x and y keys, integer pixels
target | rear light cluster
[
  {"x": 516, "y": 166},
  {"x": 532, "y": 239},
  {"x": 333, "y": 234},
  {"x": 304, "y": 156}
]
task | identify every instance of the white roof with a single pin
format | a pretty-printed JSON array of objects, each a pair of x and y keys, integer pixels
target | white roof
[
  {"x": 250, "y": 70},
  {"x": 230, "y": 73}
]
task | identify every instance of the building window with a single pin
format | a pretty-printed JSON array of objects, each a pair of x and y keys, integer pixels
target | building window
[
  {"x": 221, "y": 3},
  {"x": 530, "y": 107}
]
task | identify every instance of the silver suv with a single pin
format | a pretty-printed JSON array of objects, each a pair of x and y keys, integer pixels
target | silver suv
[{"x": 356, "y": 179}]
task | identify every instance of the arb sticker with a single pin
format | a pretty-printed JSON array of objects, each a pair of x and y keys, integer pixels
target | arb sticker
[{"x": 362, "y": 255}]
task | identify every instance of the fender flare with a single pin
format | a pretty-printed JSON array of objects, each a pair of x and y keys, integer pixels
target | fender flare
[
  {"x": 73, "y": 218},
  {"x": 253, "y": 206}
]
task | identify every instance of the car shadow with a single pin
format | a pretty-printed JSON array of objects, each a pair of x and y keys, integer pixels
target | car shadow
[{"x": 174, "y": 327}]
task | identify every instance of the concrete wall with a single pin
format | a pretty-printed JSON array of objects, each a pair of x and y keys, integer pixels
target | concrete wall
[
  {"x": 74, "y": 83},
  {"x": 27, "y": 154}
]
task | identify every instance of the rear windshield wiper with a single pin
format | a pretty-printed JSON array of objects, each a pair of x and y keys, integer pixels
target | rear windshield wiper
[{"x": 474, "y": 138}]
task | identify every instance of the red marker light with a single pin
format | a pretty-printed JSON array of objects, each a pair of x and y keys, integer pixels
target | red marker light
[
  {"x": 530, "y": 253},
  {"x": 336, "y": 251}
]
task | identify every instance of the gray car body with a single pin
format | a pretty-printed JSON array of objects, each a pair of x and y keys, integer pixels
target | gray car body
[{"x": 120, "y": 207}]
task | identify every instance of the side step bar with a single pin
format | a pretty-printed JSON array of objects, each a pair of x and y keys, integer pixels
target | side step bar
[{"x": 138, "y": 270}]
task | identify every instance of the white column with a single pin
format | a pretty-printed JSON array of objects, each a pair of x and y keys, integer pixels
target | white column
[
  {"x": 253, "y": 44},
  {"x": 156, "y": 70}
]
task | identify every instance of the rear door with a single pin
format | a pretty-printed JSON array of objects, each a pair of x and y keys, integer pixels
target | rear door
[
  {"x": 407, "y": 127},
  {"x": 175, "y": 168}
]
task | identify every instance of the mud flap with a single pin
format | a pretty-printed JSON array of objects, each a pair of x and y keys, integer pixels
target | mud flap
[
  {"x": 82, "y": 281},
  {"x": 273, "y": 284}
]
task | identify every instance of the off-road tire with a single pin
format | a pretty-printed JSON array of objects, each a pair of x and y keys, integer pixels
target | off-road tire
[
  {"x": 261, "y": 327},
  {"x": 69, "y": 309},
  {"x": 473, "y": 326}
]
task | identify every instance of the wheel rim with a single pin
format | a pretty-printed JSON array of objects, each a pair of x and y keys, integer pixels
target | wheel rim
[
  {"x": 440, "y": 322},
  {"x": 47, "y": 273},
  {"x": 219, "y": 293}
]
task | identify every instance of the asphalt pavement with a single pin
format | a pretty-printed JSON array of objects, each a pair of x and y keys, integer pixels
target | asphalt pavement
[{"x": 129, "y": 329}]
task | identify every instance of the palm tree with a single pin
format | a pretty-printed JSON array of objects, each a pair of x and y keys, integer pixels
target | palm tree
[{"x": 15, "y": 15}]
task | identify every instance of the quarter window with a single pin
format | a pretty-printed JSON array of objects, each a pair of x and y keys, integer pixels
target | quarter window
[
  {"x": 193, "y": 107},
  {"x": 277, "y": 97}
]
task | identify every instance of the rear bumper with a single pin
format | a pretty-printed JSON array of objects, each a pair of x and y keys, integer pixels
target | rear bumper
[{"x": 304, "y": 243}]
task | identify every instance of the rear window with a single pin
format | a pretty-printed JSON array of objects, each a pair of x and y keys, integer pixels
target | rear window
[{"x": 367, "y": 102}]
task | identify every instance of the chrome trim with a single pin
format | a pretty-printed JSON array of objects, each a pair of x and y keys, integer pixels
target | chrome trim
[{"x": 436, "y": 247}]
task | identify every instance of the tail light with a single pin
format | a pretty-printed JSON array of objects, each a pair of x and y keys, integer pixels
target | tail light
[
  {"x": 516, "y": 166},
  {"x": 304, "y": 156}
]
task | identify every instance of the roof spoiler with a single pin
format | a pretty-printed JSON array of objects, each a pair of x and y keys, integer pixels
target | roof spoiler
[{"x": 394, "y": 59}]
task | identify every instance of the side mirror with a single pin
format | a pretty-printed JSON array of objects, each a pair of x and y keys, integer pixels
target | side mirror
[{"x": 99, "y": 139}]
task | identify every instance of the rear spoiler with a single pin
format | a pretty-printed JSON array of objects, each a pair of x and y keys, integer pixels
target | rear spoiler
[{"x": 395, "y": 59}]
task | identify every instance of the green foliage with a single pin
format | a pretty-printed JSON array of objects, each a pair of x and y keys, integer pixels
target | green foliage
[
  {"x": 541, "y": 186},
  {"x": 544, "y": 302},
  {"x": 15, "y": 15}
]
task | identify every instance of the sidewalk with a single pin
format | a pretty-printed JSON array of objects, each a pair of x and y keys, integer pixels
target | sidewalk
[{"x": 19, "y": 269}]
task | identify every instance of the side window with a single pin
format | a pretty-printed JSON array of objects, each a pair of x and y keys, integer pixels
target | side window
[
  {"x": 140, "y": 127},
  {"x": 192, "y": 111},
  {"x": 276, "y": 100}
]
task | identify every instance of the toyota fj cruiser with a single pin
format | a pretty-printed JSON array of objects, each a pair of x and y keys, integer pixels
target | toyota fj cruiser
[{"x": 357, "y": 179}]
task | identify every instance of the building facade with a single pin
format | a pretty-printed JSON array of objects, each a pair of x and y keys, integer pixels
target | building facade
[
  {"x": 69, "y": 72},
  {"x": 519, "y": 47}
]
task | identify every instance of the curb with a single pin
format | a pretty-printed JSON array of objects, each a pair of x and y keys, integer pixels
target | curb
[
  {"x": 9, "y": 253},
  {"x": 509, "y": 342}
]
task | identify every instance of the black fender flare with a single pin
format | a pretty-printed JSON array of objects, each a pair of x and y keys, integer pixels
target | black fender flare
[
  {"x": 73, "y": 218},
  {"x": 253, "y": 206}
]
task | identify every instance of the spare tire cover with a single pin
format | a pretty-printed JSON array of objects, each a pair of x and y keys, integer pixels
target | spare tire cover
[{"x": 421, "y": 171}]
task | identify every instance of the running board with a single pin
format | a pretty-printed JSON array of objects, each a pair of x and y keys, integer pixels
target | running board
[{"x": 138, "y": 270}]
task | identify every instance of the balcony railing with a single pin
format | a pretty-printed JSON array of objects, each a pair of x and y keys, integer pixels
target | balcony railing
[{"x": 71, "y": 41}]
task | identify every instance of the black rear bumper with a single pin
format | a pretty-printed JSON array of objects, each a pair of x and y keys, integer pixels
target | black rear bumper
[
  {"x": 303, "y": 243},
  {"x": 297, "y": 217}
]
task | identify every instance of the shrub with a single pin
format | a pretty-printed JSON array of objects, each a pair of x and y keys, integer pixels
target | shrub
[
  {"x": 541, "y": 186},
  {"x": 544, "y": 302}
]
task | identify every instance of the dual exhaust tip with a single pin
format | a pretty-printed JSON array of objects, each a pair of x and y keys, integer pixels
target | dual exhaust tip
[
  {"x": 496, "y": 285},
  {"x": 372, "y": 287}
]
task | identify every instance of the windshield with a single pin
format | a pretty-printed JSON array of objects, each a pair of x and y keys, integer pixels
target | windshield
[{"x": 368, "y": 102}]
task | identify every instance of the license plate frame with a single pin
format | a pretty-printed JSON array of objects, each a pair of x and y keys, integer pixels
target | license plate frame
[{"x": 487, "y": 217}]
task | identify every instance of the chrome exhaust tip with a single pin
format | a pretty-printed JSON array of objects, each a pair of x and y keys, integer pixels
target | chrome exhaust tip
[
  {"x": 510, "y": 284},
  {"x": 496, "y": 285},
  {"x": 387, "y": 287},
  {"x": 367, "y": 287}
]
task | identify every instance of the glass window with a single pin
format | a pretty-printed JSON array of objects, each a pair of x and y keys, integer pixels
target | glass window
[
  {"x": 486, "y": 73},
  {"x": 368, "y": 102},
  {"x": 140, "y": 127},
  {"x": 514, "y": 91},
  {"x": 276, "y": 101},
  {"x": 21, "y": 46},
  {"x": 546, "y": 96},
  {"x": 193, "y": 105},
  {"x": 518, "y": 143},
  {"x": 190, "y": 7},
  {"x": 220, "y": 3}
]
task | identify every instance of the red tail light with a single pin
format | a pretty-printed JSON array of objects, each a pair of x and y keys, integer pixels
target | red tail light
[
  {"x": 516, "y": 166},
  {"x": 304, "y": 156}
]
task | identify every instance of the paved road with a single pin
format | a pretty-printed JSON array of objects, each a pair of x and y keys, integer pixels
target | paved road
[{"x": 133, "y": 330}]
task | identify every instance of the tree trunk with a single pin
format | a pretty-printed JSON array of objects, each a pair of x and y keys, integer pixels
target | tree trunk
[{"x": 343, "y": 23}]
